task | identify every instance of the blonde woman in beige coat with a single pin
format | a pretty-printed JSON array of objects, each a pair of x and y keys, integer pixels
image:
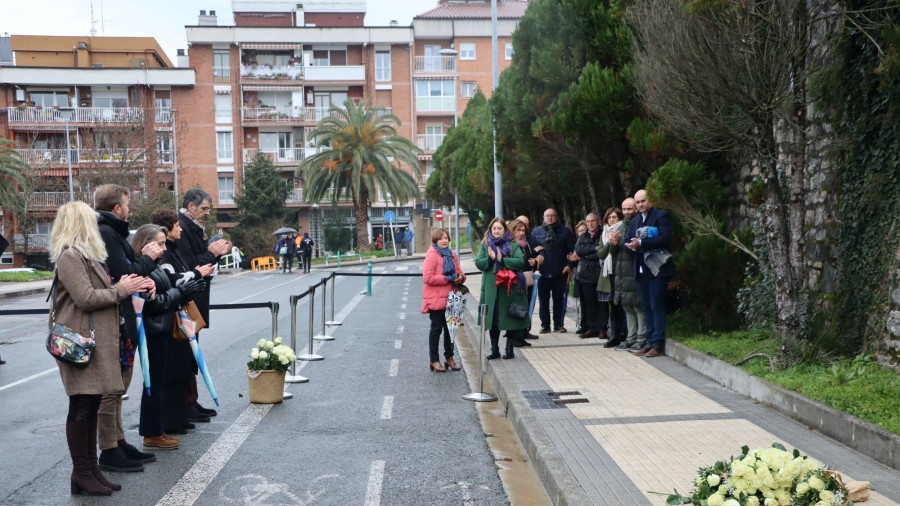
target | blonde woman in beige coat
[{"x": 82, "y": 287}]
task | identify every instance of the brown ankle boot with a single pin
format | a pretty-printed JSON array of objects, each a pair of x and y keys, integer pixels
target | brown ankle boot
[{"x": 83, "y": 480}]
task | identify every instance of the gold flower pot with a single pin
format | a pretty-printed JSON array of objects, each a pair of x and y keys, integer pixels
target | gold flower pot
[{"x": 266, "y": 387}]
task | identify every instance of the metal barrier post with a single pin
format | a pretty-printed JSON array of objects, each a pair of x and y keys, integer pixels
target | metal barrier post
[
  {"x": 309, "y": 356},
  {"x": 293, "y": 377},
  {"x": 323, "y": 336},
  {"x": 332, "y": 322},
  {"x": 480, "y": 396},
  {"x": 369, "y": 280}
]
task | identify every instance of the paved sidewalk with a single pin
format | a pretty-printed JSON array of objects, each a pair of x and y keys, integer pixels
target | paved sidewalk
[
  {"x": 639, "y": 425},
  {"x": 8, "y": 290}
]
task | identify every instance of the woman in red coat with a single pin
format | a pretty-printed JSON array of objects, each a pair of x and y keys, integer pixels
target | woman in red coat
[{"x": 440, "y": 274}]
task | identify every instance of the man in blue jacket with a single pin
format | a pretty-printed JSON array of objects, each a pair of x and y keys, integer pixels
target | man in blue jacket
[
  {"x": 557, "y": 242},
  {"x": 651, "y": 282}
]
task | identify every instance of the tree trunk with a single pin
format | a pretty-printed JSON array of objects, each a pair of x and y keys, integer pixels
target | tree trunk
[{"x": 361, "y": 214}]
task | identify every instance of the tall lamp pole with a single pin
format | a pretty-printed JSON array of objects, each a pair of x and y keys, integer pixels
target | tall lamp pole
[
  {"x": 453, "y": 53},
  {"x": 498, "y": 182},
  {"x": 69, "y": 161}
]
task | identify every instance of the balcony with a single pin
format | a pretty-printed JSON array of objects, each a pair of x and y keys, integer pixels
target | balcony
[
  {"x": 280, "y": 156},
  {"x": 272, "y": 72},
  {"x": 37, "y": 157},
  {"x": 443, "y": 104},
  {"x": 84, "y": 115},
  {"x": 329, "y": 73},
  {"x": 296, "y": 196},
  {"x": 429, "y": 142},
  {"x": 435, "y": 65}
]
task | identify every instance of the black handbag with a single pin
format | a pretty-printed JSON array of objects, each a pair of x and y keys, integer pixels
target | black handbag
[
  {"x": 66, "y": 345},
  {"x": 517, "y": 311}
]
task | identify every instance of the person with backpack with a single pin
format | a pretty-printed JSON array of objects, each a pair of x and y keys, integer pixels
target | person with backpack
[{"x": 306, "y": 245}]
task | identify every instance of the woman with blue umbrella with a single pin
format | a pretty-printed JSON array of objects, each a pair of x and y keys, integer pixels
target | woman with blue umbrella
[{"x": 156, "y": 318}]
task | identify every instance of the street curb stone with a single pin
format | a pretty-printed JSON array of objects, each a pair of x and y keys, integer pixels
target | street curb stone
[
  {"x": 20, "y": 293},
  {"x": 862, "y": 436},
  {"x": 559, "y": 482}
]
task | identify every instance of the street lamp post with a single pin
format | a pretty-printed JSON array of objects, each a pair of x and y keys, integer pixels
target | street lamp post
[
  {"x": 498, "y": 182},
  {"x": 69, "y": 161},
  {"x": 453, "y": 53}
]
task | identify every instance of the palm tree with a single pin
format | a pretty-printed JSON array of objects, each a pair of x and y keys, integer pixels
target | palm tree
[
  {"x": 12, "y": 176},
  {"x": 360, "y": 151}
]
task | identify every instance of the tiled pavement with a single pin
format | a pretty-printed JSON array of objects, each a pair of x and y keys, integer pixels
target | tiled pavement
[{"x": 630, "y": 426}]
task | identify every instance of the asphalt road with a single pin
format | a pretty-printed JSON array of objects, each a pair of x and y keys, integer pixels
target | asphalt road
[{"x": 373, "y": 425}]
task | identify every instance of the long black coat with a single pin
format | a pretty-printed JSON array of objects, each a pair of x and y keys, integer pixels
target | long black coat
[
  {"x": 195, "y": 252},
  {"x": 121, "y": 261}
]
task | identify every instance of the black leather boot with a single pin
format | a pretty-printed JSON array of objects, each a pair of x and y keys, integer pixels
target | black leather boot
[
  {"x": 510, "y": 347},
  {"x": 495, "y": 345}
]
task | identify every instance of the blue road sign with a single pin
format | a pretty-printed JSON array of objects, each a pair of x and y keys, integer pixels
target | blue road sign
[{"x": 390, "y": 217}]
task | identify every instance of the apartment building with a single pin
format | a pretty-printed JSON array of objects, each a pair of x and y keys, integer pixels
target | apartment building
[
  {"x": 82, "y": 109},
  {"x": 263, "y": 84}
]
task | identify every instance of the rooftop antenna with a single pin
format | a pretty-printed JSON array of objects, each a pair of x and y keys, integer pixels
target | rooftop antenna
[{"x": 93, "y": 21}]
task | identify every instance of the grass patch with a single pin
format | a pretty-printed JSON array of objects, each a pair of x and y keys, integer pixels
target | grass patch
[
  {"x": 18, "y": 277},
  {"x": 857, "y": 386}
]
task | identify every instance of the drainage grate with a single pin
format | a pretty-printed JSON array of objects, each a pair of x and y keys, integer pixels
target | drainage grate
[{"x": 548, "y": 399}]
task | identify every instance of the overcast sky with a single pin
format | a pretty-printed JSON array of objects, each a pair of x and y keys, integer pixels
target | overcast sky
[{"x": 162, "y": 19}]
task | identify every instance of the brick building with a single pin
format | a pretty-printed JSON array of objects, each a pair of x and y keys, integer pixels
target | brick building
[{"x": 85, "y": 108}]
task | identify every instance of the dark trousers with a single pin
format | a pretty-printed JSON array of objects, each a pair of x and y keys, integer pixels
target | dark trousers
[
  {"x": 617, "y": 324},
  {"x": 153, "y": 406},
  {"x": 591, "y": 312},
  {"x": 307, "y": 261},
  {"x": 438, "y": 327},
  {"x": 287, "y": 263},
  {"x": 652, "y": 292},
  {"x": 552, "y": 287}
]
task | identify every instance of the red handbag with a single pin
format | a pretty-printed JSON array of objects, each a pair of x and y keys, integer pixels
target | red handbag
[{"x": 508, "y": 278}]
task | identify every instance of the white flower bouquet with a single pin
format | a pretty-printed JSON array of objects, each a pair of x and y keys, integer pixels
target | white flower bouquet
[
  {"x": 271, "y": 356},
  {"x": 766, "y": 477}
]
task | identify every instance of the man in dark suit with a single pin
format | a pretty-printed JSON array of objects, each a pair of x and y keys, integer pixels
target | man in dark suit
[
  {"x": 557, "y": 242},
  {"x": 651, "y": 287}
]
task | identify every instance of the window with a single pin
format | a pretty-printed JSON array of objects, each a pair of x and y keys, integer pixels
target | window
[
  {"x": 50, "y": 99},
  {"x": 327, "y": 57},
  {"x": 508, "y": 51},
  {"x": 164, "y": 152},
  {"x": 224, "y": 150},
  {"x": 223, "y": 108},
  {"x": 383, "y": 66},
  {"x": 434, "y": 136},
  {"x": 467, "y": 89},
  {"x": 278, "y": 145},
  {"x": 221, "y": 65},
  {"x": 436, "y": 95},
  {"x": 226, "y": 189},
  {"x": 467, "y": 51},
  {"x": 6, "y": 258}
]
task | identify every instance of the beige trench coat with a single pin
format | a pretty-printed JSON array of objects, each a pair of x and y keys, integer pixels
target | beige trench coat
[{"x": 83, "y": 287}]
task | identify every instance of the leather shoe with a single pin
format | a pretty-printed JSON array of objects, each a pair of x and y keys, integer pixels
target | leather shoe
[
  {"x": 531, "y": 336},
  {"x": 161, "y": 442},
  {"x": 561, "y": 330},
  {"x": 612, "y": 343},
  {"x": 206, "y": 411},
  {"x": 643, "y": 351},
  {"x": 198, "y": 417},
  {"x": 582, "y": 330},
  {"x": 545, "y": 330},
  {"x": 655, "y": 352},
  {"x": 589, "y": 334}
]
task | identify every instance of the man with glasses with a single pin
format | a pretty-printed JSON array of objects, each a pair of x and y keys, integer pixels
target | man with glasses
[
  {"x": 112, "y": 204},
  {"x": 640, "y": 240},
  {"x": 558, "y": 243},
  {"x": 195, "y": 250}
]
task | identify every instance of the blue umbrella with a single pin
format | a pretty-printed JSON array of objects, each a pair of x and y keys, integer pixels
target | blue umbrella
[
  {"x": 143, "y": 356},
  {"x": 189, "y": 329},
  {"x": 534, "y": 291}
]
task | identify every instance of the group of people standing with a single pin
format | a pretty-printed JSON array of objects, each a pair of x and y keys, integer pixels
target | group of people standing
[
  {"x": 620, "y": 265},
  {"x": 167, "y": 263},
  {"x": 290, "y": 245}
]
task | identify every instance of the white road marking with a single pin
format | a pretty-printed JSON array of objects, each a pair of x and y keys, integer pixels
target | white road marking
[
  {"x": 29, "y": 378},
  {"x": 387, "y": 407},
  {"x": 404, "y": 299},
  {"x": 395, "y": 366},
  {"x": 373, "y": 490},
  {"x": 402, "y": 306},
  {"x": 402, "y": 316},
  {"x": 400, "y": 329},
  {"x": 398, "y": 344},
  {"x": 202, "y": 473},
  {"x": 401, "y": 268}
]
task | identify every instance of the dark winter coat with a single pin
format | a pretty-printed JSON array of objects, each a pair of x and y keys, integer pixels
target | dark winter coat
[
  {"x": 159, "y": 312},
  {"x": 625, "y": 290},
  {"x": 121, "y": 261},
  {"x": 195, "y": 252},
  {"x": 492, "y": 295},
  {"x": 555, "y": 256},
  {"x": 588, "y": 262},
  {"x": 655, "y": 218}
]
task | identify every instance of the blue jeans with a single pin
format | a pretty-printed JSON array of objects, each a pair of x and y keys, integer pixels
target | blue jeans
[{"x": 652, "y": 292}]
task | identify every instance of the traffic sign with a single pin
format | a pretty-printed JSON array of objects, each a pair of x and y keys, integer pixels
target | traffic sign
[
  {"x": 439, "y": 215},
  {"x": 390, "y": 217}
]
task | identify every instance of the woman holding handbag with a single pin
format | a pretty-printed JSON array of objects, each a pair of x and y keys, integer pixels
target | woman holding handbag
[
  {"x": 86, "y": 303},
  {"x": 502, "y": 287},
  {"x": 158, "y": 315},
  {"x": 180, "y": 359},
  {"x": 440, "y": 275}
]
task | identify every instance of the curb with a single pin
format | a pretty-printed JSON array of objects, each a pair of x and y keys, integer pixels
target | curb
[
  {"x": 558, "y": 480},
  {"x": 22, "y": 293},
  {"x": 864, "y": 437}
]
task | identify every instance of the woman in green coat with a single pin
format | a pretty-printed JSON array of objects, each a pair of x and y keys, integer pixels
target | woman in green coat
[{"x": 499, "y": 251}]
